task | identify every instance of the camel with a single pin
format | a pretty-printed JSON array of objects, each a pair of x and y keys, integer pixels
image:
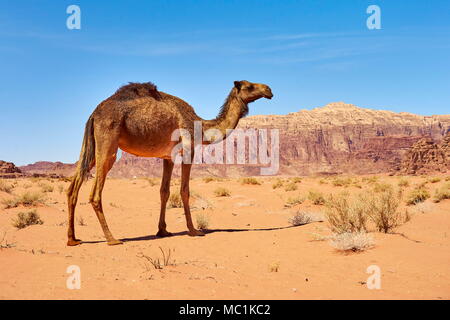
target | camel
[{"x": 140, "y": 119}]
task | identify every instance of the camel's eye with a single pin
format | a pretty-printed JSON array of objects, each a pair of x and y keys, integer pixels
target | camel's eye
[{"x": 250, "y": 88}]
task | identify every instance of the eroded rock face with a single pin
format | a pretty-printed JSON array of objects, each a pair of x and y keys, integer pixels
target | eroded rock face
[
  {"x": 336, "y": 138},
  {"x": 9, "y": 170},
  {"x": 426, "y": 156}
]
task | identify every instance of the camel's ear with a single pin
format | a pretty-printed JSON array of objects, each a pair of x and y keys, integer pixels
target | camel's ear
[{"x": 237, "y": 85}]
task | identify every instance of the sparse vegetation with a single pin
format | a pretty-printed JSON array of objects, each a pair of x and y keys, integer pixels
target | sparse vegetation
[
  {"x": 296, "y": 180},
  {"x": 5, "y": 187},
  {"x": 250, "y": 180},
  {"x": 25, "y": 199},
  {"x": 274, "y": 267},
  {"x": 442, "y": 193},
  {"x": 346, "y": 215},
  {"x": 45, "y": 187},
  {"x": 291, "y": 186},
  {"x": 417, "y": 195},
  {"x": 151, "y": 181},
  {"x": 293, "y": 201},
  {"x": 4, "y": 244},
  {"x": 303, "y": 217},
  {"x": 352, "y": 241},
  {"x": 341, "y": 182},
  {"x": 434, "y": 179},
  {"x": 383, "y": 210},
  {"x": 211, "y": 179},
  {"x": 202, "y": 221},
  {"x": 61, "y": 188},
  {"x": 222, "y": 192},
  {"x": 175, "y": 201},
  {"x": 381, "y": 187},
  {"x": 316, "y": 197},
  {"x": 81, "y": 221},
  {"x": 159, "y": 264},
  {"x": 403, "y": 182},
  {"x": 25, "y": 219},
  {"x": 277, "y": 184}
]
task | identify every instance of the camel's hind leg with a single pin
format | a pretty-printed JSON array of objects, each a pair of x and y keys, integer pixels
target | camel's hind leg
[
  {"x": 105, "y": 156},
  {"x": 164, "y": 192},
  {"x": 72, "y": 197},
  {"x": 184, "y": 191}
]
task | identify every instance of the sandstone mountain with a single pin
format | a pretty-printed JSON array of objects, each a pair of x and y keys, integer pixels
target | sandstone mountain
[
  {"x": 9, "y": 170},
  {"x": 336, "y": 138}
]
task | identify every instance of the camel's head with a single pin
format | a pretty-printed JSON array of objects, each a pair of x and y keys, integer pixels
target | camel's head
[{"x": 250, "y": 92}]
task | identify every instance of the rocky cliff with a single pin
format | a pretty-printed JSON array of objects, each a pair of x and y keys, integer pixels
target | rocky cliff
[{"x": 336, "y": 138}]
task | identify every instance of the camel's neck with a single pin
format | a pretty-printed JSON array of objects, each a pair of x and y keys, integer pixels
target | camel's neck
[{"x": 232, "y": 110}]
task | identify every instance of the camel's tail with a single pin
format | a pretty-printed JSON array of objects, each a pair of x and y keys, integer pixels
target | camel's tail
[{"x": 87, "y": 154}]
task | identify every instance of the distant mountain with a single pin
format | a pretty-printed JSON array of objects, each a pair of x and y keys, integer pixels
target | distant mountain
[{"x": 337, "y": 138}]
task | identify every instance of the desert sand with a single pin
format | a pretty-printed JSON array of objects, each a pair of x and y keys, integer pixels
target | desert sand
[{"x": 250, "y": 251}]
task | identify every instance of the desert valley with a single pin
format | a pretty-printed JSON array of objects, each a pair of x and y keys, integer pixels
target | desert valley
[{"x": 357, "y": 188}]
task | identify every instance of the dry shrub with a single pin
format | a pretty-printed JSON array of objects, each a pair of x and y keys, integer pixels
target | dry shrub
[
  {"x": 293, "y": 201},
  {"x": 352, "y": 241},
  {"x": 277, "y": 184},
  {"x": 296, "y": 180},
  {"x": 5, "y": 187},
  {"x": 323, "y": 181},
  {"x": 381, "y": 187},
  {"x": 25, "y": 219},
  {"x": 250, "y": 180},
  {"x": 156, "y": 262},
  {"x": 434, "y": 180},
  {"x": 222, "y": 192},
  {"x": 45, "y": 187},
  {"x": 403, "y": 182},
  {"x": 202, "y": 221},
  {"x": 316, "y": 197},
  {"x": 383, "y": 210},
  {"x": 417, "y": 195},
  {"x": 151, "y": 181},
  {"x": 370, "y": 180},
  {"x": 175, "y": 201},
  {"x": 345, "y": 214},
  {"x": 25, "y": 199},
  {"x": 442, "y": 193},
  {"x": 291, "y": 186},
  {"x": 274, "y": 267},
  {"x": 303, "y": 217},
  {"x": 342, "y": 182}
]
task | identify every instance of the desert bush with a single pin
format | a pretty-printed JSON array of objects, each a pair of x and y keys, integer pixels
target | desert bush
[
  {"x": 45, "y": 187},
  {"x": 202, "y": 221},
  {"x": 345, "y": 214},
  {"x": 370, "y": 180},
  {"x": 403, "y": 182},
  {"x": 442, "y": 193},
  {"x": 293, "y": 201},
  {"x": 303, "y": 217},
  {"x": 323, "y": 181},
  {"x": 417, "y": 195},
  {"x": 25, "y": 219},
  {"x": 81, "y": 221},
  {"x": 159, "y": 264},
  {"x": 434, "y": 180},
  {"x": 341, "y": 182},
  {"x": 250, "y": 180},
  {"x": 151, "y": 181},
  {"x": 352, "y": 241},
  {"x": 222, "y": 192},
  {"x": 5, "y": 187},
  {"x": 383, "y": 210},
  {"x": 296, "y": 180},
  {"x": 274, "y": 267},
  {"x": 316, "y": 197},
  {"x": 25, "y": 199},
  {"x": 381, "y": 187},
  {"x": 291, "y": 186},
  {"x": 277, "y": 184},
  {"x": 175, "y": 201}
]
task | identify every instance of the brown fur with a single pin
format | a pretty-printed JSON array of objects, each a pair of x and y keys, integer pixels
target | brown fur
[{"x": 140, "y": 120}]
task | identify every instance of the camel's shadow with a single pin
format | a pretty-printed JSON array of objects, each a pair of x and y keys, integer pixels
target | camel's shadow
[{"x": 184, "y": 233}]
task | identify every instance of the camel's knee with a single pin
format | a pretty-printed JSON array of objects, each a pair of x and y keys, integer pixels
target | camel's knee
[{"x": 96, "y": 203}]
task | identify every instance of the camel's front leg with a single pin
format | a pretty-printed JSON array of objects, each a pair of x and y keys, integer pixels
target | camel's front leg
[
  {"x": 164, "y": 192},
  {"x": 185, "y": 174}
]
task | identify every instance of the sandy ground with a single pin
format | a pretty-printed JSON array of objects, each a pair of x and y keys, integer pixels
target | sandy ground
[{"x": 249, "y": 233}]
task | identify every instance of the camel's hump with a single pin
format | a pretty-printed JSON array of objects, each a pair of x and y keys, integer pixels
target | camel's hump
[{"x": 135, "y": 90}]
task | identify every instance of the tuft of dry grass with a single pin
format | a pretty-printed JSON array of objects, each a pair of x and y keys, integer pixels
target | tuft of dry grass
[
  {"x": 25, "y": 219},
  {"x": 316, "y": 197},
  {"x": 202, "y": 221},
  {"x": 222, "y": 192},
  {"x": 383, "y": 210},
  {"x": 403, "y": 182},
  {"x": 352, "y": 241},
  {"x": 291, "y": 186},
  {"x": 274, "y": 267},
  {"x": 25, "y": 199},
  {"x": 293, "y": 201},
  {"x": 342, "y": 182},
  {"x": 434, "y": 179},
  {"x": 158, "y": 263},
  {"x": 303, "y": 217},
  {"x": 296, "y": 180},
  {"x": 211, "y": 179},
  {"x": 346, "y": 215},
  {"x": 250, "y": 180},
  {"x": 417, "y": 195},
  {"x": 382, "y": 187},
  {"x": 5, "y": 187},
  {"x": 45, "y": 187},
  {"x": 81, "y": 222},
  {"x": 174, "y": 201},
  {"x": 277, "y": 184},
  {"x": 443, "y": 193}
]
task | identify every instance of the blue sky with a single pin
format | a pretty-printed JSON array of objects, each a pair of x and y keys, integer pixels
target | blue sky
[{"x": 310, "y": 52}]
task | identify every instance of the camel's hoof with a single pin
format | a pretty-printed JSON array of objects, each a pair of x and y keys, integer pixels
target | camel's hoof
[
  {"x": 73, "y": 242},
  {"x": 114, "y": 242},
  {"x": 196, "y": 233},
  {"x": 164, "y": 233}
]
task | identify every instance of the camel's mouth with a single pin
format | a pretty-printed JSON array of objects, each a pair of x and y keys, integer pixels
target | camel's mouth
[{"x": 268, "y": 96}]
